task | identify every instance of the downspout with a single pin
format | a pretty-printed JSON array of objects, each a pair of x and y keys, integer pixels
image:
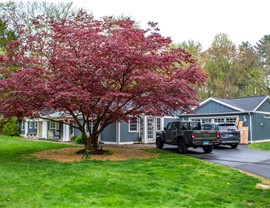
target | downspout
[{"x": 251, "y": 132}]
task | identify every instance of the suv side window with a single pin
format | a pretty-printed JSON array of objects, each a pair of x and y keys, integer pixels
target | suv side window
[
  {"x": 184, "y": 126},
  {"x": 169, "y": 126}
]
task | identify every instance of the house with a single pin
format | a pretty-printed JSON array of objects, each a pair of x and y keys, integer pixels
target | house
[
  {"x": 254, "y": 112},
  {"x": 141, "y": 130}
]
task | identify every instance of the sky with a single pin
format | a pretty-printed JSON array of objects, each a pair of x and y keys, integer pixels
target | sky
[{"x": 198, "y": 20}]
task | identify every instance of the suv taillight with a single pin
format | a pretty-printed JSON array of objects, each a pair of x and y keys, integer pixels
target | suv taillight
[
  {"x": 193, "y": 135},
  {"x": 218, "y": 134}
]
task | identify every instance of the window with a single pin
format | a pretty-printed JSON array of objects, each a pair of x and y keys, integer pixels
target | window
[
  {"x": 91, "y": 126},
  {"x": 23, "y": 126},
  {"x": 219, "y": 120},
  {"x": 266, "y": 116},
  {"x": 54, "y": 125},
  {"x": 30, "y": 125},
  {"x": 133, "y": 125},
  {"x": 230, "y": 120},
  {"x": 196, "y": 119},
  {"x": 35, "y": 125},
  {"x": 206, "y": 120},
  {"x": 158, "y": 124}
]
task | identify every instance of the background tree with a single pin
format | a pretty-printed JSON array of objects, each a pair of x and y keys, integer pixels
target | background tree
[
  {"x": 249, "y": 73},
  {"x": 263, "y": 49},
  {"x": 97, "y": 71},
  {"x": 16, "y": 13},
  {"x": 219, "y": 64}
]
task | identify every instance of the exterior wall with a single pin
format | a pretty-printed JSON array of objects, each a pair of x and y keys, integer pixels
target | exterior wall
[
  {"x": 29, "y": 129},
  {"x": 213, "y": 107},
  {"x": 260, "y": 127},
  {"x": 265, "y": 107},
  {"x": 126, "y": 136},
  {"x": 109, "y": 134},
  {"x": 21, "y": 131}
]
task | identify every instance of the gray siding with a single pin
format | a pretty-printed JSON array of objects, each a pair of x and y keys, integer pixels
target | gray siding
[
  {"x": 265, "y": 107},
  {"x": 109, "y": 133},
  {"x": 125, "y": 135},
  {"x": 213, "y": 107},
  {"x": 260, "y": 127},
  {"x": 20, "y": 128}
]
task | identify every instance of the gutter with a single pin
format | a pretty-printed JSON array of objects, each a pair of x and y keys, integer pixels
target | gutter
[{"x": 251, "y": 132}]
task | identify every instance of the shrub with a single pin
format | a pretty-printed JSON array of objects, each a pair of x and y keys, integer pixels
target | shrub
[
  {"x": 78, "y": 139},
  {"x": 11, "y": 127}
]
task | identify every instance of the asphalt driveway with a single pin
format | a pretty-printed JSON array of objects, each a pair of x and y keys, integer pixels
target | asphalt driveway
[{"x": 243, "y": 158}]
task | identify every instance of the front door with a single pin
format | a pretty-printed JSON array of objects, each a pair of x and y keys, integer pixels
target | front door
[{"x": 150, "y": 129}]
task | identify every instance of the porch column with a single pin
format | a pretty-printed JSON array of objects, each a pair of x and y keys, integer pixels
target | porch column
[
  {"x": 44, "y": 129},
  {"x": 66, "y": 135},
  {"x": 145, "y": 129},
  {"x": 118, "y": 132},
  {"x": 25, "y": 128},
  {"x": 38, "y": 133}
]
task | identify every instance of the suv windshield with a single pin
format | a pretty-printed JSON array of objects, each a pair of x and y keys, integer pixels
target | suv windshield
[{"x": 227, "y": 127}]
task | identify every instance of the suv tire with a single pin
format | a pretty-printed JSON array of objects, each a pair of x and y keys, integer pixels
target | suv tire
[
  {"x": 208, "y": 149},
  {"x": 182, "y": 148},
  {"x": 159, "y": 143}
]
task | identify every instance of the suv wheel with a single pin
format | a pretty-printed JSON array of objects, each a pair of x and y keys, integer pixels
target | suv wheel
[
  {"x": 208, "y": 149},
  {"x": 182, "y": 148},
  {"x": 234, "y": 146},
  {"x": 159, "y": 143}
]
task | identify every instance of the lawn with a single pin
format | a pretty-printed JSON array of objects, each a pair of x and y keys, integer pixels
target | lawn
[
  {"x": 260, "y": 146},
  {"x": 170, "y": 180}
]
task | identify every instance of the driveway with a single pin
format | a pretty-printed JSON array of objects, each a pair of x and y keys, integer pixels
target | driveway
[{"x": 243, "y": 158}]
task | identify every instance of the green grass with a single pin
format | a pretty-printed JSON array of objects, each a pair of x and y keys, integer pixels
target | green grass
[
  {"x": 260, "y": 146},
  {"x": 171, "y": 180}
]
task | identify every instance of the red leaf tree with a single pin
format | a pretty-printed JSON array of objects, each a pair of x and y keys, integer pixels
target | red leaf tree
[{"x": 98, "y": 71}]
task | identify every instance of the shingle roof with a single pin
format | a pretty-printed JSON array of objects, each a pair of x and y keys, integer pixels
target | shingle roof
[{"x": 245, "y": 103}]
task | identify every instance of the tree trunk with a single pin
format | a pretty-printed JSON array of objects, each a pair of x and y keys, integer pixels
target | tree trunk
[{"x": 92, "y": 142}]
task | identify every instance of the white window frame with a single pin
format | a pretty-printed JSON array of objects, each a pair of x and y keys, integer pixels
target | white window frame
[
  {"x": 158, "y": 124},
  {"x": 31, "y": 125},
  {"x": 35, "y": 125},
  {"x": 266, "y": 116},
  {"x": 54, "y": 125},
  {"x": 213, "y": 118},
  {"x": 133, "y": 123},
  {"x": 23, "y": 126}
]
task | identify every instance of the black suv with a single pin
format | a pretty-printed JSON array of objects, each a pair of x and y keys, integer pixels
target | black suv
[{"x": 227, "y": 133}]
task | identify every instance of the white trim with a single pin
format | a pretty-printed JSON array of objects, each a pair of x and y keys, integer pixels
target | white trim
[
  {"x": 26, "y": 129},
  {"x": 127, "y": 143},
  {"x": 262, "y": 112},
  {"x": 137, "y": 126},
  {"x": 222, "y": 113},
  {"x": 44, "y": 133},
  {"x": 207, "y": 117},
  {"x": 22, "y": 126},
  {"x": 259, "y": 141},
  {"x": 118, "y": 132},
  {"x": 156, "y": 123},
  {"x": 227, "y": 105},
  {"x": 220, "y": 102},
  {"x": 267, "y": 97},
  {"x": 108, "y": 142},
  {"x": 250, "y": 125}
]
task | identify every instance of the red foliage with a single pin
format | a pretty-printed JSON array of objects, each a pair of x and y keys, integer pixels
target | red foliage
[{"x": 106, "y": 69}]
